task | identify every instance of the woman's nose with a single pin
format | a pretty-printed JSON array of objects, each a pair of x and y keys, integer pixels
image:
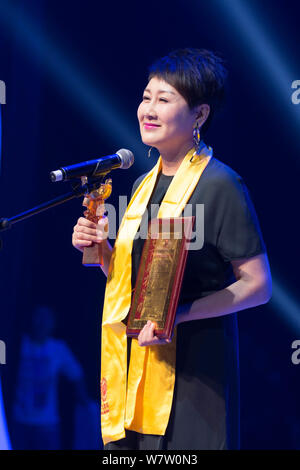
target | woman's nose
[{"x": 150, "y": 111}]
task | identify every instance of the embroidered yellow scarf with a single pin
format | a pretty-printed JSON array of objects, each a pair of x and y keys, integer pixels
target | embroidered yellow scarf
[{"x": 144, "y": 403}]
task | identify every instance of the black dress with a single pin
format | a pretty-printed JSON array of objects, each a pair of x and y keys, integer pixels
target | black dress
[{"x": 205, "y": 409}]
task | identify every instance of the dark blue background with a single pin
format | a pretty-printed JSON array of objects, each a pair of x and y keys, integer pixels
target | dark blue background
[{"x": 65, "y": 65}]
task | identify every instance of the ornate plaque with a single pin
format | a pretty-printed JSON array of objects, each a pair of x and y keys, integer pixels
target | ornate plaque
[{"x": 160, "y": 276}]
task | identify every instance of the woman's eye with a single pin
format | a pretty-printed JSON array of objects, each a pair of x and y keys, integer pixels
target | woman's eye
[
  {"x": 163, "y": 100},
  {"x": 145, "y": 98}
]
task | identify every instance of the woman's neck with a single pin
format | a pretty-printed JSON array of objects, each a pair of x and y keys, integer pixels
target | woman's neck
[{"x": 171, "y": 160}]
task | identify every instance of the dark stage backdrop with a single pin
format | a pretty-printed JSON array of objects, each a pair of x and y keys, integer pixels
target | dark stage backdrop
[{"x": 74, "y": 75}]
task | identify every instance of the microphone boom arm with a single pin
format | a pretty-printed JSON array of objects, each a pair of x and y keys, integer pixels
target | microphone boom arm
[{"x": 77, "y": 191}]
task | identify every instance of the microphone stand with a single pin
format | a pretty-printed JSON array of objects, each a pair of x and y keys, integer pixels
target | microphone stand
[{"x": 78, "y": 190}]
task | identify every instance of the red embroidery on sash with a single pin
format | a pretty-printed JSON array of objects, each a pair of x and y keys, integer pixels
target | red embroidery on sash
[{"x": 104, "y": 403}]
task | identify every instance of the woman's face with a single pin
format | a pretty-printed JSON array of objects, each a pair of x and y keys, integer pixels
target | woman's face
[{"x": 166, "y": 121}]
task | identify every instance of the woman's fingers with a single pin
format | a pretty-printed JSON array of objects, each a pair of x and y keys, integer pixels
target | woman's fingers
[
  {"x": 82, "y": 221},
  {"x": 147, "y": 333},
  {"x": 82, "y": 235},
  {"x": 83, "y": 242},
  {"x": 84, "y": 229},
  {"x": 147, "y": 336},
  {"x": 86, "y": 232}
]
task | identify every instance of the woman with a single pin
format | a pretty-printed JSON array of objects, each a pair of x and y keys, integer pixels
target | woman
[{"x": 182, "y": 394}]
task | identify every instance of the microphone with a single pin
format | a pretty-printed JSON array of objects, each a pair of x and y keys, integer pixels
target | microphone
[{"x": 123, "y": 158}]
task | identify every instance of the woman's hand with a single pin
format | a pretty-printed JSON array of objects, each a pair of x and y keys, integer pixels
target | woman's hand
[
  {"x": 147, "y": 336},
  {"x": 85, "y": 232}
]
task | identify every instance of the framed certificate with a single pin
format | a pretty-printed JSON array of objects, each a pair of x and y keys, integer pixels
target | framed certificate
[{"x": 160, "y": 276}]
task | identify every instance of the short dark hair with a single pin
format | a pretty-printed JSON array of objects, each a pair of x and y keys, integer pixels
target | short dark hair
[{"x": 198, "y": 75}]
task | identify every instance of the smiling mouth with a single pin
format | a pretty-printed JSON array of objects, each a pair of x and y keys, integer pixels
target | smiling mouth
[{"x": 148, "y": 125}]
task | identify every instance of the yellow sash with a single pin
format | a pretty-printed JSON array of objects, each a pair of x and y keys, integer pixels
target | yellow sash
[{"x": 144, "y": 403}]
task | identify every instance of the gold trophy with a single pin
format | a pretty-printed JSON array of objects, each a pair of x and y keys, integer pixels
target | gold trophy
[{"x": 94, "y": 202}]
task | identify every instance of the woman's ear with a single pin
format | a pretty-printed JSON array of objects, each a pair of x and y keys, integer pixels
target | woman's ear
[{"x": 203, "y": 111}]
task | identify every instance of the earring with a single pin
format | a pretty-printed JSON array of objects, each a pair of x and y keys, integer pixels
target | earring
[
  {"x": 196, "y": 136},
  {"x": 149, "y": 152},
  {"x": 196, "y": 139}
]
